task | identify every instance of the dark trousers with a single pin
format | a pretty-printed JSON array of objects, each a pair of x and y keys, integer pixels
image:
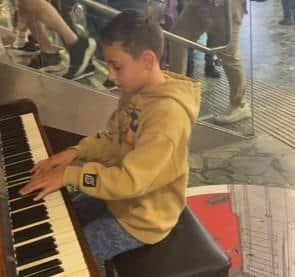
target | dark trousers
[{"x": 288, "y": 8}]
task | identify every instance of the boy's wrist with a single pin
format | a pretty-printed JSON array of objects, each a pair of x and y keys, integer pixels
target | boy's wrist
[{"x": 72, "y": 152}]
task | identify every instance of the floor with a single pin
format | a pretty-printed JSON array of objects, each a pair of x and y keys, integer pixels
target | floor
[{"x": 260, "y": 160}]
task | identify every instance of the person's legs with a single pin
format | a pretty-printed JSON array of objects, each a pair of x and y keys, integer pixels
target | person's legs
[
  {"x": 44, "y": 12},
  {"x": 64, "y": 7},
  {"x": 191, "y": 23},
  {"x": 210, "y": 69},
  {"x": 105, "y": 236},
  {"x": 232, "y": 64},
  {"x": 22, "y": 45},
  {"x": 288, "y": 12},
  {"x": 190, "y": 63},
  {"x": 40, "y": 33},
  {"x": 21, "y": 29},
  {"x": 80, "y": 50},
  {"x": 49, "y": 59}
]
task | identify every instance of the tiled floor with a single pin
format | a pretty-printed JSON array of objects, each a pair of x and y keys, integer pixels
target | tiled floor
[{"x": 261, "y": 160}]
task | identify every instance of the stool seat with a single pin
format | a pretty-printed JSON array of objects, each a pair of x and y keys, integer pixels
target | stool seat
[{"x": 188, "y": 251}]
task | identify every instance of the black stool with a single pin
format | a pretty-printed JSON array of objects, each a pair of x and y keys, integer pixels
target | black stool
[{"x": 188, "y": 251}]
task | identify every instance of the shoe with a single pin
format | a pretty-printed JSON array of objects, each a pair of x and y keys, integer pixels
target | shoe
[
  {"x": 80, "y": 54},
  {"x": 235, "y": 114},
  {"x": 211, "y": 71},
  {"x": 287, "y": 21},
  {"x": 47, "y": 62},
  {"x": 89, "y": 71},
  {"x": 29, "y": 49}
]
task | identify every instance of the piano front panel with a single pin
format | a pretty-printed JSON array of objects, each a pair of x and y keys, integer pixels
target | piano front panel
[{"x": 44, "y": 240}]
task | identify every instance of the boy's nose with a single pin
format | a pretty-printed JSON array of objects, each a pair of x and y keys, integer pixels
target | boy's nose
[{"x": 112, "y": 76}]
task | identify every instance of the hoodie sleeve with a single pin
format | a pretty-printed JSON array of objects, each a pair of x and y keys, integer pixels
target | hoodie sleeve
[{"x": 148, "y": 167}]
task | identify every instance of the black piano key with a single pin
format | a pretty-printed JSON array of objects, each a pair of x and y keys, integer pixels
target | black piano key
[
  {"x": 17, "y": 129},
  {"x": 13, "y": 142},
  {"x": 15, "y": 150},
  {"x": 12, "y": 134},
  {"x": 19, "y": 167},
  {"x": 14, "y": 139},
  {"x": 24, "y": 202},
  {"x": 37, "y": 246},
  {"x": 30, "y": 257},
  {"x": 10, "y": 121},
  {"x": 13, "y": 192},
  {"x": 9, "y": 138},
  {"x": 49, "y": 272},
  {"x": 19, "y": 164},
  {"x": 28, "y": 216},
  {"x": 32, "y": 232},
  {"x": 18, "y": 176},
  {"x": 11, "y": 127},
  {"x": 18, "y": 157},
  {"x": 22, "y": 181},
  {"x": 39, "y": 268},
  {"x": 36, "y": 250}
]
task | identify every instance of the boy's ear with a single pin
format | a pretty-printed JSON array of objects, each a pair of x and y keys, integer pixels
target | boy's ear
[{"x": 149, "y": 58}]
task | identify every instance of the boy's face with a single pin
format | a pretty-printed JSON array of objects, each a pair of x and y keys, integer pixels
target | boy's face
[{"x": 128, "y": 73}]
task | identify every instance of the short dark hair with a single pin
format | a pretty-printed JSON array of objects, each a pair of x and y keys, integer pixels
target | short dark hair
[{"x": 136, "y": 31}]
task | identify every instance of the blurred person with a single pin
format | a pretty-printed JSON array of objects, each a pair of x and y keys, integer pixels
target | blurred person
[
  {"x": 172, "y": 9},
  {"x": 210, "y": 63},
  {"x": 198, "y": 17},
  {"x": 40, "y": 13},
  {"x": 288, "y": 12}
]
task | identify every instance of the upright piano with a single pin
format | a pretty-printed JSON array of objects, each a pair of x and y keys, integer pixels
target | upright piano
[{"x": 37, "y": 238}]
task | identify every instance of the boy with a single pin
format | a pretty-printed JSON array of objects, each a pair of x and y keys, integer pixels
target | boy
[{"x": 139, "y": 165}]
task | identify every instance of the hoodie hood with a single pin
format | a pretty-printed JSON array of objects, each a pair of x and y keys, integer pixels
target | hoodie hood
[{"x": 183, "y": 90}]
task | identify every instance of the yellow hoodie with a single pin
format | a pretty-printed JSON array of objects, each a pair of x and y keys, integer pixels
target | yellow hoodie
[{"x": 139, "y": 164}]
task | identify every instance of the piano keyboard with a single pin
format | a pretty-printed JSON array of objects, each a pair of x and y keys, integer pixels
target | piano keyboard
[{"x": 44, "y": 240}]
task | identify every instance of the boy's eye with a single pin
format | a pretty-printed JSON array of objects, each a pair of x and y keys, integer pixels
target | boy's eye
[{"x": 117, "y": 68}]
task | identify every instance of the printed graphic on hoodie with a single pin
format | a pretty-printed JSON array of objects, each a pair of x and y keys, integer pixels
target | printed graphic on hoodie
[{"x": 128, "y": 124}]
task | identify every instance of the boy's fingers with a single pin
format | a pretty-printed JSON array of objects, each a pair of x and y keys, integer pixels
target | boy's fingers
[
  {"x": 37, "y": 166},
  {"x": 34, "y": 168},
  {"x": 32, "y": 186},
  {"x": 41, "y": 194}
]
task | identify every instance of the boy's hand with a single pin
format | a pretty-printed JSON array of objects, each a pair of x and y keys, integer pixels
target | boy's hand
[
  {"x": 50, "y": 182},
  {"x": 61, "y": 159}
]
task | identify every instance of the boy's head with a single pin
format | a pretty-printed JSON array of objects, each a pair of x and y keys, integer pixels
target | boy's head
[{"x": 132, "y": 45}]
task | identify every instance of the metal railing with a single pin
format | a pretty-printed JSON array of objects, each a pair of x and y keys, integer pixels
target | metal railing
[{"x": 111, "y": 12}]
